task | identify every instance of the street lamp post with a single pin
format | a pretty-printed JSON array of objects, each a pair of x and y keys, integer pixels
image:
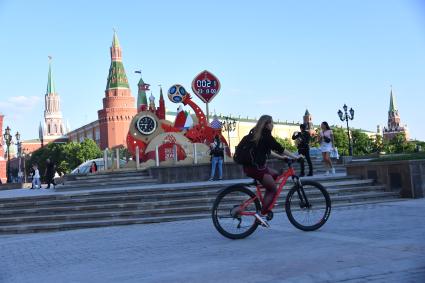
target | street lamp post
[
  {"x": 343, "y": 116},
  {"x": 8, "y": 139},
  {"x": 18, "y": 145},
  {"x": 229, "y": 125}
]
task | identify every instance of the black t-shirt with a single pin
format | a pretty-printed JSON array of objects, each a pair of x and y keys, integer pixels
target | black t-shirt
[
  {"x": 304, "y": 138},
  {"x": 266, "y": 144}
]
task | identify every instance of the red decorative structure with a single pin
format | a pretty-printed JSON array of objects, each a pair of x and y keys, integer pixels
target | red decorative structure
[{"x": 156, "y": 136}]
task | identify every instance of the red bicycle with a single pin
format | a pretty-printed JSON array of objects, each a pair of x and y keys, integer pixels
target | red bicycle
[{"x": 307, "y": 206}]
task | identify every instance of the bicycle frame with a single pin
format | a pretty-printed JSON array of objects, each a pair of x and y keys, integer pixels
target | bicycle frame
[{"x": 281, "y": 179}]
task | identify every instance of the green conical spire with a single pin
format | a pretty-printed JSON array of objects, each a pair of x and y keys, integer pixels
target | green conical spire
[
  {"x": 115, "y": 42},
  {"x": 50, "y": 84},
  {"x": 392, "y": 102},
  {"x": 306, "y": 112},
  {"x": 117, "y": 76},
  {"x": 141, "y": 94}
]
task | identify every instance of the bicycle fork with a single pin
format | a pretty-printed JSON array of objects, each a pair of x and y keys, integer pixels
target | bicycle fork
[{"x": 301, "y": 193}]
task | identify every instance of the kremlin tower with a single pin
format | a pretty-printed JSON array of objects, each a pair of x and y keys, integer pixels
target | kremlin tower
[
  {"x": 54, "y": 128},
  {"x": 394, "y": 127},
  {"x": 308, "y": 121},
  {"x": 142, "y": 102},
  {"x": 118, "y": 104}
]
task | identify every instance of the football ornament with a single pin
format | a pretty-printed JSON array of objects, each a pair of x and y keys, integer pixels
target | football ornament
[{"x": 176, "y": 93}]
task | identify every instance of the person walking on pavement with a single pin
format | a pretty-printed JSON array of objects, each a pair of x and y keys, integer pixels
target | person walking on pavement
[
  {"x": 303, "y": 145},
  {"x": 217, "y": 156},
  {"x": 50, "y": 173}
]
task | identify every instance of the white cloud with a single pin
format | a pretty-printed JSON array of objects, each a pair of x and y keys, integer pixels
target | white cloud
[
  {"x": 19, "y": 103},
  {"x": 19, "y": 107}
]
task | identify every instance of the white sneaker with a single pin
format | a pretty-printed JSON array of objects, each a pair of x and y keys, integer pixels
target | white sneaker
[
  {"x": 327, "y": 173},
  {"x": 262, "y": 220},
  {"x": 333, "y": 171}
]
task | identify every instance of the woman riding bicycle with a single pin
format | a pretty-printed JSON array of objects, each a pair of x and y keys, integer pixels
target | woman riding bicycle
[{"x": 265, "y": 145}]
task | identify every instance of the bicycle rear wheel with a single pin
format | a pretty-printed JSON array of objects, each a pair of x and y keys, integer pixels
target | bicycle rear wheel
[
  {"x": 308, "y": 206},
  {"x": 226, "y": 210}
]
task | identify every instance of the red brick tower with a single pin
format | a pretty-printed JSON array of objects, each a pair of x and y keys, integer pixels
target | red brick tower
[
  {"x": 118, "y": 104},
  {"x": 394, "y": 124},
  {"x": 3, "y": 176},
  {"x": 308, "y": 121}
]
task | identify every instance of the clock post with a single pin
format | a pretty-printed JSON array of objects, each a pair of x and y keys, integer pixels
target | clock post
[{"x": 206, "y": 86}]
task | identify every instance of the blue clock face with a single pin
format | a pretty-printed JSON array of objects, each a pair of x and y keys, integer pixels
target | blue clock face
[{"x": 146, "y": 125}]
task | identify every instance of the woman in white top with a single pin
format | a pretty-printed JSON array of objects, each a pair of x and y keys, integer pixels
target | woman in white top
[
  {"x": 36, "y": 184},
  {"x": 327, "y": 144}
]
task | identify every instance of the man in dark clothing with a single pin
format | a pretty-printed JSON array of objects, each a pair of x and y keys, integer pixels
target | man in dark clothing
[
  {"x": 50, "y": 173},
  {"x": 303, "y": 139}
]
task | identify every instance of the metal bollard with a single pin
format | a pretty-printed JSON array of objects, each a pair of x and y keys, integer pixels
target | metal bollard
[
  {"x": 117, "y": 153},
  {"x": 105, "y": 159},
  {"x": 195, "y": 154},
  {"x": 137, "y": 158},
  {"x": 156, "y": 156}
]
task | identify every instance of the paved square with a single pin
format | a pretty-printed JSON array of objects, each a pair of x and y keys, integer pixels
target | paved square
[{"x": 368, "y": 243}]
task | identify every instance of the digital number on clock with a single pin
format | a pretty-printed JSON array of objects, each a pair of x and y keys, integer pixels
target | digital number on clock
[{"x": 206, "y": 86}]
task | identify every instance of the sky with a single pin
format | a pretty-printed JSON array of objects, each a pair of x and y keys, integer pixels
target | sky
[{"x": 272, "y": 57}]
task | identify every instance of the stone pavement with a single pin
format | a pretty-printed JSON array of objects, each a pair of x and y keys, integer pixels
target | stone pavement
[{"x": 368, "y": 243}]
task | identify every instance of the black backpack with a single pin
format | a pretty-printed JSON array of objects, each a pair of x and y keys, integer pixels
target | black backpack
[{"x": 245, "y": 151}]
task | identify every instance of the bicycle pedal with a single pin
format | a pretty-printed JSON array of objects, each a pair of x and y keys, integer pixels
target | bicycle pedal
[{"x": 269, "y": 215}]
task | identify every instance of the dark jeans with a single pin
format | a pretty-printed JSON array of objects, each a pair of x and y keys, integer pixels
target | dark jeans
[{"x": 306, "y": 153}]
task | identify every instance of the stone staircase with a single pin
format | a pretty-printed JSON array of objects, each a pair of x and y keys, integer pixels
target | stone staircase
[
  {"x": 102, "y": 180},
  {"x": 125, "y": 178},
  {"x": 149, "y": 203}
]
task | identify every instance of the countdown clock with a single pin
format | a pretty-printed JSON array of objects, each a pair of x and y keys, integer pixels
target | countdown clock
[
  {"x": 146, "y": 124},
  {"x": 206, "y": 86}
]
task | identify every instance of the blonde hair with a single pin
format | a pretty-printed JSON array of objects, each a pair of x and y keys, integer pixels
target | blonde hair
[{"x": 259, "y": 127}]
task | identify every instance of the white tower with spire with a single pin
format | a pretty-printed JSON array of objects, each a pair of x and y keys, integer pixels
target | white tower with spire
[{"x": 54, "y": 127}]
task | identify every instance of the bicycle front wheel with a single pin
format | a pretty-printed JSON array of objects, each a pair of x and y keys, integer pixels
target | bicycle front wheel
[
  {"x": 233, "y": 212},
  {"x": 308, "y": 205}
]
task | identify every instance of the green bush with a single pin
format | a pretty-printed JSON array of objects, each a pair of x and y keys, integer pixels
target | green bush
[{"x": 398, "y": 157}]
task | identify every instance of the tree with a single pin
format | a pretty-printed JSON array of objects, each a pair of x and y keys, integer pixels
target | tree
[
  {"x": 341, "y": 140},
  {"x": 378, "y": 144},
  {"x": 362, "y": 144},
  {"x": 89, "y": 150},
  {"x": 399, "y": 144},
  {"x": 65, "y": 156},
  {"x": 286, "y": 143}
]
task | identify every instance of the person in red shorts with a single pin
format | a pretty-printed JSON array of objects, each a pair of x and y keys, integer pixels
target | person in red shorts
[{"x": 265, "y": 145}]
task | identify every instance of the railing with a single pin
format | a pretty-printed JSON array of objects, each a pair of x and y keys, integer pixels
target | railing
[{"x": 112, "y": 157}]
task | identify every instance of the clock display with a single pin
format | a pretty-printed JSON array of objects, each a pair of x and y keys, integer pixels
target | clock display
[{"x": 146, "y": 125}]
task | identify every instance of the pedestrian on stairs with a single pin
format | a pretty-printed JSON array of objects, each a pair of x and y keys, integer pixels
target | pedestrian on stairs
[
  {"x": 302, "y": 139},
  {"x": 36, "y": 183},
  {"x": 217, "y": 156},
  {"x": 50, "y": 173},
  {"x": 327, "y": 145}
]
